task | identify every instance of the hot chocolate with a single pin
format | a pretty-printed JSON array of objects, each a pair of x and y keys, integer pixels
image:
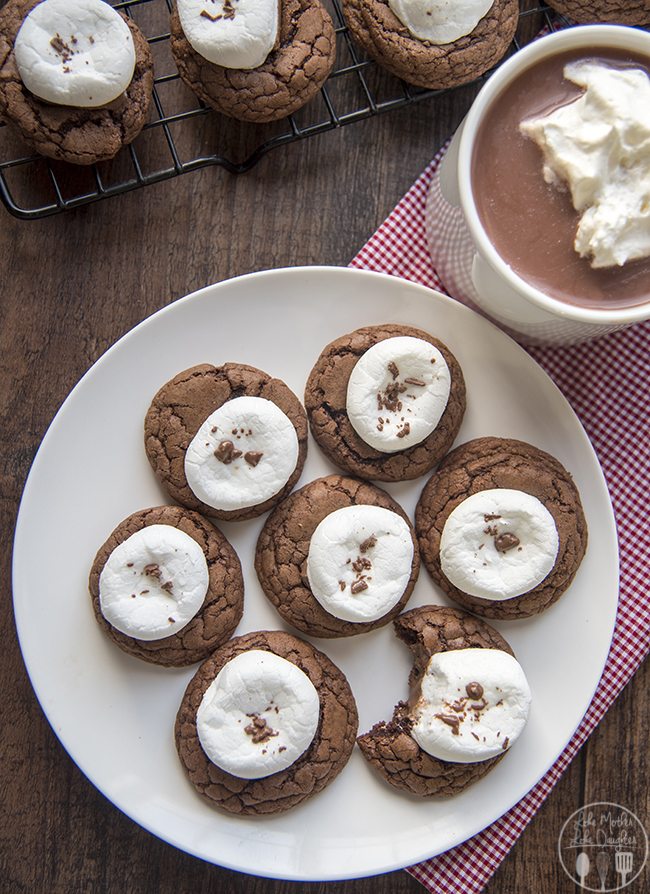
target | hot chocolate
[{"x": 531, "y": 223}]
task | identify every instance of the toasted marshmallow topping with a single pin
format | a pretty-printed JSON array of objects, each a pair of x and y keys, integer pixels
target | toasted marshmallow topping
[
  {"x": 258, "y": 716},
  {"x": 440, "y": 21},
  {"x": 397, "y": 393},
  {"x": 473, "y": 705},
  {"x": 359, "y": 562},
  {"x": 243, "y": 454},
  {"x": 498, "y": 544},
  {"x": 599, "y": 148},
  {"x": 76, "y": 53},
  {"x": 231, "y": 33},
  {"x": 153, "y": 583}
]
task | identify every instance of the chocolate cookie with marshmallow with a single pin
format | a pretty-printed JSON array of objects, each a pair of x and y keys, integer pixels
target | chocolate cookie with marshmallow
[
  {"x": 385, "y": 402},
  {"x": 469, "y": 704},
  {"x": 167, "y": 586},
  {"x": 501, "y": 528},
  {"x": 230, "y": 441},
  {"x": 337, "y": 558},
  {"x": 266, "y": 722},
  {"x": 254, "y": 60},
  {"x": 433, "y": 43},
  {"x": 75, "y": 79}
]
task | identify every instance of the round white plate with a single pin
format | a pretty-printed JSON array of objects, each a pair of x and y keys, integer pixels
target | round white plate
[{"x": 115, "y": 714}]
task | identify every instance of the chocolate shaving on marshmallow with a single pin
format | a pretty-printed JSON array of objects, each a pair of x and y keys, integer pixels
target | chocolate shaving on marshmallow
[{"x": 237, "y": 34}]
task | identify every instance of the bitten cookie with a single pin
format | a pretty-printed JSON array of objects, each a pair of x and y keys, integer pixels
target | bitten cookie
[
  {"x": 469, "y": 703},
  {"x": 266, "y": 722},
  {"x": 501, "y": 528},
  {"x": 337, "y": 558},
  {"x": 431, "y": 44},
  {"x": 167, "y": 586},
  {"x": 385, "y": 402},
  {"x": 255, "y": 60},
  {"x": 618, "y": 12},
  {"x": 75, "y": 79},
  {"x": 230, "y": 441}
]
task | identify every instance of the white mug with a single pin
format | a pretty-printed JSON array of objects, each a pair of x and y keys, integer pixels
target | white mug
[{"x": 466, "y": 261}]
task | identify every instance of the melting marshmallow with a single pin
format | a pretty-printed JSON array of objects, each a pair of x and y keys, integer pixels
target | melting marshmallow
[
  {"x": 258, "y": 715},
  {"x": 359, "y": 562},
  {"x": 473, "y": 705},
  {"x": 153, "y": 583},
  {"x": 498, "y": 544},
  {"x": 440, "y": 21},
  {"x": 76, "y": 53},
  {"x": 243, "y": 454},
  {"x": 599, "y": 147},
  {"x": 231, "y": 33},
  {"x": 397, "y": 393}
]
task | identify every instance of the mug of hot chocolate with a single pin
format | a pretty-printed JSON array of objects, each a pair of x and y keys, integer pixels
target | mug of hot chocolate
[{"x": 539, "y": 214}]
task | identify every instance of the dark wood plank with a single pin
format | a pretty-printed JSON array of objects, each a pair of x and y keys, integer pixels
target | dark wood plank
[{"x": 71, "y": 286}]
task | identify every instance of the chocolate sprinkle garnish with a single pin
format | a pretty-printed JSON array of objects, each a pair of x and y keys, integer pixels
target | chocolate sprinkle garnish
[
  {"x": 253, "y": 457},
  {"x": 341, "y": 585},
  {"x": 258, "y": 729},
  {"x": 393, "y": 369},
  {"x": 226, "y": 452},
  {"x": 152, "y": 570},
  {"x": 419, "y": 382},
  {"x": 358, "y": 587},
  {"x": 505, "y": 744},
  {"x": 489, "y": 518},
  {"x": 505, "y": 541},
  {"x": 451, "y": 721},
  {"x": 361, "y": 564},
  {"x": 206, "y": 15},
  {"x": 404, "y": 431},
  {"x": 171, "y": 620},
  {"x": 368, "y": 543},
  {"x": 474, "y": 690}
]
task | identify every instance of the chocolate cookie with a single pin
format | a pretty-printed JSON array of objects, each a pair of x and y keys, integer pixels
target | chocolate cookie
[
  {"x": 291, "y": 75},
  {"x": 81, "y": 136},
  {"x": 326, "y": 404},
  {"x": 618, "y": 12},
  {"x": 381, "y": 34},
  {"x": 389, "y": 746},
  {"x": 182, "y": 406},
  {"x": 283, "y": 547},
  {"x": 323, "y": 760},
  {"x": 487, "y": 463},
  {"x": 223, "y": 604}
]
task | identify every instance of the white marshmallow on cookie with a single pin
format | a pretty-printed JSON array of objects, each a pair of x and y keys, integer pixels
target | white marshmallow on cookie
[
  {"x": 153, "y": 583},
  {"x": 473, "y": 705},
  {"x": 77, "y": 53},
  {"x": 243, "y": 454},
  {"x": 359, "y": 562},
  {"x": 258, "y": 716},
  {"x": 498, "y": 544},
  {"x": 397, "y": 393},
  {"x": 232, "y": 33},
  {"x": 440, "y": 21}
]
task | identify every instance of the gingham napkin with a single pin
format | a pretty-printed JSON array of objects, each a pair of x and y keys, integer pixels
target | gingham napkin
[{"x": 615, "y": 413}]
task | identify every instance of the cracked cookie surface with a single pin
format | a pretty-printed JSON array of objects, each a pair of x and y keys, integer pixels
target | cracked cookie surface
[
  {"x": 385, "y": 39},
  {"x": 389, "y": 747},
  {"x": 283, "y": 546},
  {"x": 486, "y": 463},
  {"x": 325, "y": 401},
  {"x": 182, "y": 405},
  {"x": 618, "y": 12},
  {"x": 79, "y": 136},
  {"x": 223, "y": 604},
  {"x": 291, "y": 75},
  {"x": 323, "y": 760}
]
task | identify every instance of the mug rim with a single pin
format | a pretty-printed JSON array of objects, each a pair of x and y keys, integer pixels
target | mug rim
[{"x": 601, "y": 35}]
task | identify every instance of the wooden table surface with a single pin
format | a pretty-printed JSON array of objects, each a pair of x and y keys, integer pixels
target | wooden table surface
[{"x": 75, "y": 283}]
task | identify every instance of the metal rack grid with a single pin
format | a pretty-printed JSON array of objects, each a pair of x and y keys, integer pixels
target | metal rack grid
[{"x": 185, "y": 135}]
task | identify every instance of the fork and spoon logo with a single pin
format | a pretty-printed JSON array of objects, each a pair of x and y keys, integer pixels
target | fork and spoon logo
[{"x": 603, "y": 847}]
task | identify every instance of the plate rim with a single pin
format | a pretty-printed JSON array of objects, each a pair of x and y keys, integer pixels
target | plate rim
[{"x": 212, "y": 291}]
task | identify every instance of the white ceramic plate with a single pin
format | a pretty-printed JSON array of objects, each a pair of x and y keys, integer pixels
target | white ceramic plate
[{"x": 115, "y": 714}]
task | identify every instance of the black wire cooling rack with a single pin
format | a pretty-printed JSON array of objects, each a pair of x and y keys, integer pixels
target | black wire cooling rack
[{"x": 184, "y": 135}]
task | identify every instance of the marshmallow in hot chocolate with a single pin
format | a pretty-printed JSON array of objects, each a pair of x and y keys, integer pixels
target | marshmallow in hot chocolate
[
  {"x": 473, "y": 705},
  {"x": 498, "y": 543},
  {"x": 359, "y": 562},
  {"x": 397, "y": 393},
  {"x": 440, "y": 22},
  {"x": 237, "y": 34},
  {"x": 153, "y": 583},
  {"x": 243, "y": 454},
  {"x": 78, "y": 53},
  {"x": 258, "y": 716}
]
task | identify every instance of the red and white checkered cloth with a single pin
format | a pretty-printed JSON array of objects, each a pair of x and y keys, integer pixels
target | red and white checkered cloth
[{"x": 617, "y": 422}]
